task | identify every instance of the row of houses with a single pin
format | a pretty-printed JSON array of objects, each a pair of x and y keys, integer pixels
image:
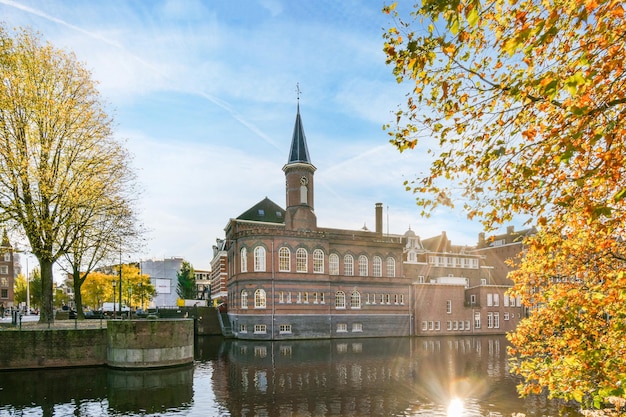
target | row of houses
[{"x": 284, "y": 277}]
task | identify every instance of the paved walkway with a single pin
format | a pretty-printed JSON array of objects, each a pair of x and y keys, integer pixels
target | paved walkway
[{"x": 32, "y": 323}]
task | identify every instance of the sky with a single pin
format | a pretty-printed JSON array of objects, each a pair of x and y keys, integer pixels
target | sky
[{"x": 203, "y": 94}]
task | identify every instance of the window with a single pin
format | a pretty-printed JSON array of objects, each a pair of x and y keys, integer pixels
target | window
[
  {"x": 449, "y": 306},
  {"x": 244, "y": 299},
  {"x": 281, "y": 297},
  {"x": 377, "y": 266},
  {"x": 259, "y": 259},
  {"x": 322, "y": 298},
  {"x": 506, "y": 316},
  {"x": 431, "y": 325},
  {"x": 467, "y": 325},
  {"x": 318, "y": 261},
  {"x": 362, "y": 266},
  {"x": 477, "y": 320},
  {"x": 489, "y": 320},
  {"x": 244, "y": 260},
  {"x": 473, "y": 299},
  {"x": 388, "y": 298},
  {"x": 305, "y": 297},
  {"x": 301, "y": 260},
  {"x": 348, "y": 265},
  {"x": 355, "y": 300},
  {"x": 260, "y": 300},
  {"x": 260, "y": 328},
  {"x": 496, "y": 320},
  {"x": 333, "y": 264},
  {"x": 357, "y": 327},
  {"x": 496, "y": 300},
  {"x": 424, "y": 325},
  {"x": 505, "y": 300},
  {"x": 284, "y": 259},
  {"x": 4, "y": 293},
  {"x": 243, "y": 328},
  {"x": 449, "y": 326},
  {"x": 402, "y": 299},
  {"x": 4, "y": 270},
  {"x": 342, "y": 327},
  {"x": 299, "y": 298},
  {"x": 489, "y": 300},
  {"x": 7, "y": 257},
  {"x": 340, "y": 299},
  {"x": 461, "y": 325},
  {"x": 437, "y": 325},
  {"x": 391, "y": 267},
  {"x": 285, "y": 328},
  {"x": 420, "y": 279}
]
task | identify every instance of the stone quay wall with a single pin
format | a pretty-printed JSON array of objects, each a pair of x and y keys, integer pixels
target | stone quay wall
[{"x": 122, "y": 344}]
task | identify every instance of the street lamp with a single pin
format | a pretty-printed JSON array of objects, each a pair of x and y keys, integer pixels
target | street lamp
[{"x": 114, "y": 285}]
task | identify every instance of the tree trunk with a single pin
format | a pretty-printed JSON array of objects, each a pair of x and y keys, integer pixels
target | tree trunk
[
  {"x": 78, "y": 298},
  {"x": 46, "y": 314}
]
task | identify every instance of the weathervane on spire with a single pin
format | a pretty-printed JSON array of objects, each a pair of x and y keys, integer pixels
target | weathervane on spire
[{"x": 298, "y": 92}]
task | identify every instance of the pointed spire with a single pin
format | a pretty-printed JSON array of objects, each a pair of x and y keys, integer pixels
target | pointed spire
[{"x": 298, "y": 152}]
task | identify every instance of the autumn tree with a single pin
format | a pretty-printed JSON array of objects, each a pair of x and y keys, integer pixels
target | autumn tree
[
  {"x": 62, "y": 171},
  {"x": 521, "y": 105},
  {"x": 186, "y": 288}
]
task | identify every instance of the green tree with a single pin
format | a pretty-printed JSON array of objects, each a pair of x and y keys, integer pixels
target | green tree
[
  {"x": 521, "y": 107},
  {"x": 19, "y": 289},
  {"x": 62, "y": 171},
  {"x": 186, "y": 288}
]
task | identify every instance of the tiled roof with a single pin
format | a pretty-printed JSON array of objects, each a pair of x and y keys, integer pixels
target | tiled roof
[
  {"x": 298, "y": 151},
  {"x": 264, "y": 211}
]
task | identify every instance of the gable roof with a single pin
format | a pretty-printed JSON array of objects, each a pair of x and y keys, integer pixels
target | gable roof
[{"x": 264, "y": 211}]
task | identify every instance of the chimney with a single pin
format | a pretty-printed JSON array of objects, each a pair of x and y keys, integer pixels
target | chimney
[
  {"x": 510, "y": 230},
  {"x": 379, "y": 218}
]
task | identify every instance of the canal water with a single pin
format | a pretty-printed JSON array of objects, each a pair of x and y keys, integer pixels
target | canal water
[{"x": 465, "y": 376}]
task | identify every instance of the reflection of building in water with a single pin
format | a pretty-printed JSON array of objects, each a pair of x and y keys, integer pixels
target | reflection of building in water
[
  {"x": 362, "y": 376},
  {"x": 283, "y": 277}
]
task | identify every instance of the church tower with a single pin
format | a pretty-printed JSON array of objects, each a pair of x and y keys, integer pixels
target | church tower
[{"x": 300, "y": 214}]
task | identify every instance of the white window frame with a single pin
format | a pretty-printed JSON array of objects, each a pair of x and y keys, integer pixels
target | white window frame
[
  {"x": 284, "y": 259},
  {"x": 340, "y": 300},
  {"x": 348, "y": 265},
  {"x": 243, "y": 253},
  {"x": 259, "y": 259},
  {"x": 260, "y": 298},
  {"x": 355, "y": 300},
  {"x": 318, "y": 261},
  {"x": 391, "y": 267},
  {"x": 244, "y": 299},
  {"x": 333, "y": 264},
  {"x": 363, "y": 266},
  {"x": 302, "y": 258},
  {"x": 377, "y": 266}
]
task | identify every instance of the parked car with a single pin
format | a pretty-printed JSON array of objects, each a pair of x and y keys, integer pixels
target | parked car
[
  {"x": 144, "y": 313},
  {"x": 93, "y": 314}
]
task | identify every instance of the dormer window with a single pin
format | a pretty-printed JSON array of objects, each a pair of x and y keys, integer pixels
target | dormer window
[{"x": 261, "y": 212}]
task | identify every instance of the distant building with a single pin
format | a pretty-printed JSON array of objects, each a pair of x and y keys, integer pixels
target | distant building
[
  {"x": 7, "y": 273},
  {"x": 164, "y": 278},
  {"x": 203, "y": 284},
  {"x": 283, "y": 277}
]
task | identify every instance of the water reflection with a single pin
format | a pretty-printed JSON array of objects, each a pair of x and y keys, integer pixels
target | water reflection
[{"x": 357, "y": 377}]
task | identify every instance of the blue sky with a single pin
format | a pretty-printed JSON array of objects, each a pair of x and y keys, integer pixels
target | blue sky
[{"x": 204, "y": 94}]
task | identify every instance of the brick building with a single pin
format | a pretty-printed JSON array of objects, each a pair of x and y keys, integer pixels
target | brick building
[{"x": 287, "y": 278}]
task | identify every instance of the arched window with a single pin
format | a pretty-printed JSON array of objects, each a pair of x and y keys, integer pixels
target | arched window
[
  {"x": 377, "y": 266},
  {"x": 348, "y": 265},
  {"x": 318, "y": 261},
  {"x": 362, "y": 266},
  {"x": 260, "y": 301},
  {"x": 284, "y": 259},
  {"x": 244, "y": 259},
  {"x": 259, "y": 259},
  {"x": 333, "y": 264},
  {"x": 355, "y": 300},
  {"x": 340, "y": 299},
  {"x": 244, "y": 299},
  {"x": 301, "y": 260},
  {"x": 391, "y": 267}
]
